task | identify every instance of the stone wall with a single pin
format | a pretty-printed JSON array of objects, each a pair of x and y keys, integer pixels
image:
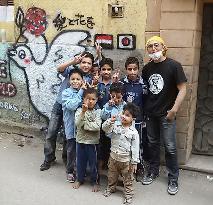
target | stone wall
[{"x": 179, "y": 23}]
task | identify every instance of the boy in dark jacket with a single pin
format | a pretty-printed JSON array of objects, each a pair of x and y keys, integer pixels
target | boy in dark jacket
[{"x": 134, "y": 91}]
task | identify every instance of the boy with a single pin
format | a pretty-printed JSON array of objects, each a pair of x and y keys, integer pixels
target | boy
[
  {"x": 106, "y": 67},
  {"x": 71, "y": 100},
  {"x": 115, "y": 105},
  {"x": 88, "y": 123},
  {"x": 134, "y": 91},
  {"x": 85, "y": 61},
  {"x": 124, "y": 154}
]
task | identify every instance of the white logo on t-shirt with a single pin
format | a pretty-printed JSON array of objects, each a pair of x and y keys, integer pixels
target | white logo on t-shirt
[{"x": 156, "y": 83}]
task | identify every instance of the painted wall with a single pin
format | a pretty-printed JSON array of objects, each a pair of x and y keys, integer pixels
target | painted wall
[{"x": 49, "y": 33}]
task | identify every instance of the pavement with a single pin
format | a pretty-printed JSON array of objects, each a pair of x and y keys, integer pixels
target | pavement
[{"x": 22, "y": 183}]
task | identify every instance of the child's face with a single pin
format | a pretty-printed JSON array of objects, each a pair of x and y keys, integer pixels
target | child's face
[
  {"x": 90, "y": 100},
  {"x": 76, "y": 81},
  {"x": 116, "y": 97},
  {"x": 106, "y": 71},
  {"x": 94, "y": 70},
  {"x": 132, "y": 71},
  {"x": 86, "y": 64},
  {"x": 126, "y": 118}
]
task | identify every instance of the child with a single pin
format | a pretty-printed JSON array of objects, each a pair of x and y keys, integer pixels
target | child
[
  {"x": 134, "y": 91},
  {"x": 85, "y": 61},
  {"x": 115, "y": 105},
  {"x": 71, "y": 100},
  {"x": 106, "y": 67},
  {"x": 124, "y": 154},
  {"x": 88, "y": 123},
  {"x": 103, "y": 87}
]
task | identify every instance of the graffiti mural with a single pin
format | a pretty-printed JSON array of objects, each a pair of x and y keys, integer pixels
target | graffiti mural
[
  {"x": 35, "y": 21},
  {"x": 41, "y": 75},
  {"x": 3, "y": 69},
  {"x": 60, "y": 22},
  {"x": 7, "y": 90},
  {"x": 28, "y": 73}
]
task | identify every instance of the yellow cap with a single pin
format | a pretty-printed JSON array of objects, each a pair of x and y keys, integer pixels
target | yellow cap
[{"x": 155, "y": 38}]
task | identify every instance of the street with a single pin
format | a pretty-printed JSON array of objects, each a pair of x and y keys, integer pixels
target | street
[{"x": 23, "y": 184}]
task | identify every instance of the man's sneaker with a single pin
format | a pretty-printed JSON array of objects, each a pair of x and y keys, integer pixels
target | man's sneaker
[
  {"x": 172, "y": 187},
  {"x": 148, "y": 179},
  {"x": 71, "y": 178},
  {"x": 45, "y": 166}
]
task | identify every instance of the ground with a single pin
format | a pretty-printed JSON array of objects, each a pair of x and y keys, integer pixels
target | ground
[{"x": 22, "y": 183}]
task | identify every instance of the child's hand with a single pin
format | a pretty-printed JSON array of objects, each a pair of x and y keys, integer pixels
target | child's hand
[
  {"x": 113, "y": 118},
  {"x": 85, "y": 106},
  {"x": 77, "y": 59},
  {"x": 116, "y": 76},
  {"x": 133, "y": 168},
  {"x": 111, "y": 101},
  {"x": 84, "y": 85},
  {"x": 95, "y": 79},
  {"x": 98, "y": 49}
]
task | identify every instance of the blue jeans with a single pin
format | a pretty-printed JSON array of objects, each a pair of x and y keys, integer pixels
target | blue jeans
[
  {"x": 55, "y": 123},
  {"x": 71, "y": 156},
  {"x": 160, "y": 128},
  {"x": 86, "y": 153}
]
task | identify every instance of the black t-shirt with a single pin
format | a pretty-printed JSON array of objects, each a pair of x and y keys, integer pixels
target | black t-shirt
[{"x": 162, "y": 79}]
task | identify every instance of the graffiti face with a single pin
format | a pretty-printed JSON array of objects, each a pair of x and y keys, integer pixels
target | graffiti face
[{"x": 21, "y": 55}]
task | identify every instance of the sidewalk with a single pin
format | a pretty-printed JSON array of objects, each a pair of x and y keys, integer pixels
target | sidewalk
[
  {"x": 199, "y": 163},
  {"x": 22, "y": 183}
]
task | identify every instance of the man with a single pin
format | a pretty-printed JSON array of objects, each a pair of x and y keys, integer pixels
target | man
[{"x": 167, "y": 89}]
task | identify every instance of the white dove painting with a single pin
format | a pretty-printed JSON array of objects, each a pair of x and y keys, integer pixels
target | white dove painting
[{"x": 42, "y": 78}]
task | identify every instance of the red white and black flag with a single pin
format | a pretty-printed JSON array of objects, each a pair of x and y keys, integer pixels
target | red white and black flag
[{"x": 105, "y": 40}]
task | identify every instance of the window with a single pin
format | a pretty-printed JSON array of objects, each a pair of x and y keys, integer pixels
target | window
[
  {"x": 6, "y": 10},
  {"x": 6, "y": 2}
]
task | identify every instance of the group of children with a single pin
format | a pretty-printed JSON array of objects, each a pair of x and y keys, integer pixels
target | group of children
[{"x": 103, "y": 122}]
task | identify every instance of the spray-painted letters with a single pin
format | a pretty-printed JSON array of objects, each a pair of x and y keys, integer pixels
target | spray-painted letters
[{"x": 61, "y": 22}]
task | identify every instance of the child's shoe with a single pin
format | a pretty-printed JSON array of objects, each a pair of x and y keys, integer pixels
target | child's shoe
[
  {"x": 107, "y": 192},
  {"x": 71, "y": 178},
  {"x": 127, "y": 201}
]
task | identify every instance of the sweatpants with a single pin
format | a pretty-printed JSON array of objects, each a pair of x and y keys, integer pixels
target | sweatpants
[{"x": 86, "y": 153}]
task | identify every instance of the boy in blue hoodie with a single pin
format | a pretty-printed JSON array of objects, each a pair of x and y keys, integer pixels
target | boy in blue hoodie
[
  {"x": 114, "y": 107},
  {"x": 135, "y": 90},
  {"x": 71, "y": 100},
  {"x": 85, "y": 61}
]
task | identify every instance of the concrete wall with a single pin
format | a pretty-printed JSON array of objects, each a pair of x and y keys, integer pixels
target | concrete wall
[
  {"x": 62, "y": 28},
  {"x": 179, "y": 23}
]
